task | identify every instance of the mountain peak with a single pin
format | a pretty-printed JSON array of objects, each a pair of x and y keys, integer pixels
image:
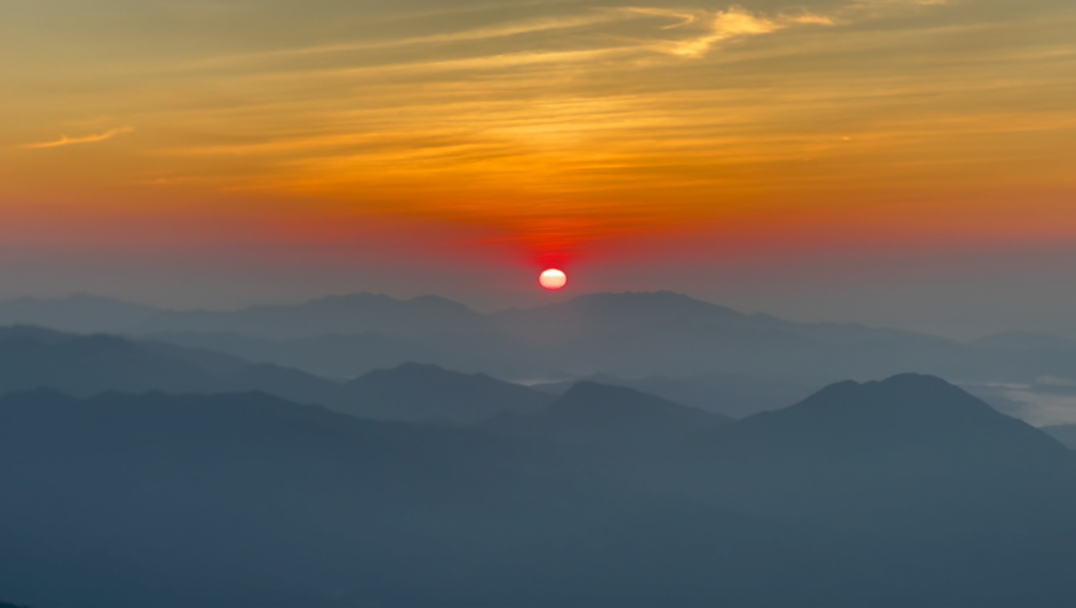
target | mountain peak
[
  {"x": 906, "y": 394},
  {"x": 904, "y": 410},
  {"x": 418, "y": 371},
  {"x": 603, "y": 402}
]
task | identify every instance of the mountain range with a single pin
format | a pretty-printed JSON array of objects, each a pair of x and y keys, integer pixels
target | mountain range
[
  {"x": 629, "y": 335},
  {"x": 83, "y": 366},
  {"x": 904, "y": 492}
]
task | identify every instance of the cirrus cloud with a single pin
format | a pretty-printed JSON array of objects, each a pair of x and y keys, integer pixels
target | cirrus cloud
[{"x": 69, "y": 141}]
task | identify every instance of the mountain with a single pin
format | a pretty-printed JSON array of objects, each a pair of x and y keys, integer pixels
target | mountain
[
  {"x": 618, "y": 312},
  {"x": 620, "y": 334},
  {"x": 591, "y": 413},
  {"x": 348, "y": 314},
  {"x": 88, "y": 365},
  {"x": 904, "y": 492},
  {"x": 83, "y": 366},
  {"x": 248, "y": 500},
  {"x": 426, "y": 393},
  {"x": 78, "y": 313},
  {"x": 909, "y": 444}
]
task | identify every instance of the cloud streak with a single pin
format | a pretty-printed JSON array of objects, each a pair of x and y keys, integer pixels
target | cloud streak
[
  {"x": 72, "y": 141},
  {"x": 720, "y": 26},
  {"x": 622, "y": 116}
]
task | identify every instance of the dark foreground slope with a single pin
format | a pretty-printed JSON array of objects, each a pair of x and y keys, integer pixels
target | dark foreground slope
[
  {"x": 906, "y": 492},
  {"x": 250, "y": 500}
]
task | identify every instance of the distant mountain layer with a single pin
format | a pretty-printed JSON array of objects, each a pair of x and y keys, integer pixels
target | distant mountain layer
[
  {"x": 81, "y": 313},
  {"x": 349, "y": 314},
  {"x": 86, "y": 365},
  {"x": 732, "y": 395},
  {"x": 427, "y": 393},
  {"x": 594, "y": 414},
  {"x": 83, "y": 366},
  {"x": 905, "y": 492},
  {"x": 631, "y": 335}
]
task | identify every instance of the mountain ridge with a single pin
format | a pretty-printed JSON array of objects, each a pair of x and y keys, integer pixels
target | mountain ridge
[
  {"x": 590, "y": 413},
  {"x": 249, "y": 500},
  {"x": 345, "y": 336}
]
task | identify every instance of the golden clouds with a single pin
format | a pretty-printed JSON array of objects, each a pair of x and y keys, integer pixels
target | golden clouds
[
  {"x": 720, "y": 26},
  {"x": 88, "y": 139},
  {"x": 548, "y": 117}
]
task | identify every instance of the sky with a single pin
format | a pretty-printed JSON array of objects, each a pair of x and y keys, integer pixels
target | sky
[{"x": 893, "y": 162}]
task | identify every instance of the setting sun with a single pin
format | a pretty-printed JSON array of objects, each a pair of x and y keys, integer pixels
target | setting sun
[{"x": 553, "y": 279}]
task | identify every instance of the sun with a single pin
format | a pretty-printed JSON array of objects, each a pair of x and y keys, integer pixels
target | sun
[{"x": 553, "y": 279}]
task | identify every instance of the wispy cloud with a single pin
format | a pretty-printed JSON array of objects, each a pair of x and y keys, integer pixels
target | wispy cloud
[
  {"x": 535, "y": 26},
  {"x": 719, "y": 26},
  {"x": 710, "y": 27},
  {"x": 70, "y": 141}
]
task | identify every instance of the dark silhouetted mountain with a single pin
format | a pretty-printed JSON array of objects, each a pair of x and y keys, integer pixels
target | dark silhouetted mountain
[
  {"x": 247, "y": 500},
  {"x": 911, "y": 442},
  {"x": 904, "y": 409},
  {"x": 591, "y": 413},
  {"x": 350, "y": 314},
  {"x": 79, "y": 313},
  {"x": 7, "y": 605},
  {"x": 426, "y": 393},
  {"x": 906, "y": 492}
]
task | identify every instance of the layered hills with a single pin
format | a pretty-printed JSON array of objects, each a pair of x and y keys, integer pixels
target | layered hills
[
  {"x": 903, "y": 492},
  {"x": 631, "y": 335},
  {"x": 83, "y": 366}
]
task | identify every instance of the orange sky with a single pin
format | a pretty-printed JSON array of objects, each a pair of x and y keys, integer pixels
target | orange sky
[{"x": 568, "y": 130}]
